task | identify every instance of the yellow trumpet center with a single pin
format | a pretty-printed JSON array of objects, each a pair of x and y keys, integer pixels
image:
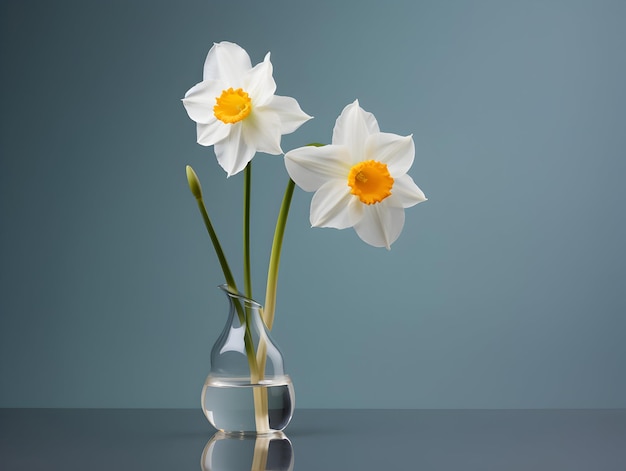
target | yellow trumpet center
[
  {"x": 370, "y": 181},
  {"x": 232, "y": 106}
]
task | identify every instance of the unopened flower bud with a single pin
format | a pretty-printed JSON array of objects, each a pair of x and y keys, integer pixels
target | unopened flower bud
[{"x": 194, "y": 183}]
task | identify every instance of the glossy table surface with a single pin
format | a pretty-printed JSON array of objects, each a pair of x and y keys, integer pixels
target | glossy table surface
[{"x": 181, "y": 439}]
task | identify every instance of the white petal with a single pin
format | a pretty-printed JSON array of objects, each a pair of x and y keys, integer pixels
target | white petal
[
  {"x": 232, "y": 153},
  {"x": 261, "y": 131},
  {"x": 228, "y": 62},
  {"x": 405, "y": 193},
  {"x": 380, "y": 225},
  {"x": 352, "y": 128},
  {"x": 213, "y": 132},
  {"x": 289, "y": 111},
  {"x": 398, "y": 152},
  {"x": 310, "y": 167},
  {"x": 259, "y": 83},
  {"x": 200, "y": 100},
  {"x": 331, "y": 206}
]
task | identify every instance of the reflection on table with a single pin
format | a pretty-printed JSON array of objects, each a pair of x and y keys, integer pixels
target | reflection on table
[{"x": 245, "y": 453}]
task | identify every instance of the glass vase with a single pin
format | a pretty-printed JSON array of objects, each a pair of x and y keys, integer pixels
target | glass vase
[{"x": 247, "y": 391}]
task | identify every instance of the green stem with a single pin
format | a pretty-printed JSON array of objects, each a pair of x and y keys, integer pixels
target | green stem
[
  {"x": 247, "y": 280},
  {"x": 272, "y": 272},
  {"x": 196, "y": 190},
  {"x": 230, "y": 280},
  {"x": 277, "y": 244}
]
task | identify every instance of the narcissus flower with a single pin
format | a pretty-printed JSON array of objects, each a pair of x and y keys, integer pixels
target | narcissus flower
[
  {"x": 236, "y": 110},
  {"x": 360, "y": 180}
]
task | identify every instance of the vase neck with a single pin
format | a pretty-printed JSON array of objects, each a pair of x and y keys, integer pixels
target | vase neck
[
  {"x": 244, "y": 310},
  {"x": 236, "y": 296}
]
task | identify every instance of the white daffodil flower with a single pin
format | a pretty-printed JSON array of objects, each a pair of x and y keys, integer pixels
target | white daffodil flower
[
  {"x": 236, "y": 110},
  {"x": 360, "y": 180}
]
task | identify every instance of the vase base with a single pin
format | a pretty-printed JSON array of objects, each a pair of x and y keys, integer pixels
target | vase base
[{"x": 239, "y": 408}]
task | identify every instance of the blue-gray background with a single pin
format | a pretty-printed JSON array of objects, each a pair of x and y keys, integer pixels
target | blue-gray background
[{"x": 505, "y": 290}]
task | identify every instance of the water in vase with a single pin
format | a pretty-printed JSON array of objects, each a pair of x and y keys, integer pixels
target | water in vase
[{"x": 229, "y": 404}]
